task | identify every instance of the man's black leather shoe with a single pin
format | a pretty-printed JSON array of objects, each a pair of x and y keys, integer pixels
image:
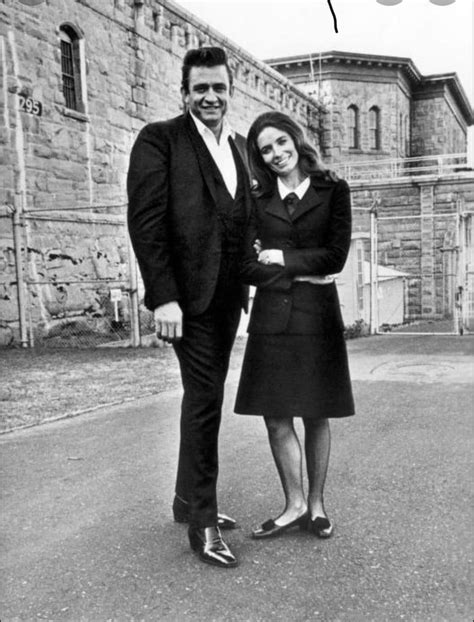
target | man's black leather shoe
[
  {"x": 211, "y": 548},
  {"x": 181, "y": 515}
]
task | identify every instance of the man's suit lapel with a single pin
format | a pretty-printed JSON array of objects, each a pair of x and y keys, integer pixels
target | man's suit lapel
[
  {"x": 202, "y": 155},
  {"x": 239, "y": 151},
  {"x": 240, "y": 144}
]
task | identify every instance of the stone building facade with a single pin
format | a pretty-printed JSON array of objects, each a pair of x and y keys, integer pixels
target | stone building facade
[
  {"x": 80, "y": 78},
  {"x": 379, "y": 107},
  {"x": 126, "y": 63}
]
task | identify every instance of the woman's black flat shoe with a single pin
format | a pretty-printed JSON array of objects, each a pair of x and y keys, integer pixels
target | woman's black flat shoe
[
  {"x": 270, "y": 529},
  {"x": 320, "y": 527}
]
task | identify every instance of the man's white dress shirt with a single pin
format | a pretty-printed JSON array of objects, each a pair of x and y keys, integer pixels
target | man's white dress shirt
[{"x": 221, "y": 151}]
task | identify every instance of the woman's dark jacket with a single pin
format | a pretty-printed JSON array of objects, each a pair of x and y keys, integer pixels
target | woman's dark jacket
[{"x": 315, "y": 240}]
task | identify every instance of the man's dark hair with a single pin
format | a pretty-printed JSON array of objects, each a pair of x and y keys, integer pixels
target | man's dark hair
[{"x": 203, "y": 57}]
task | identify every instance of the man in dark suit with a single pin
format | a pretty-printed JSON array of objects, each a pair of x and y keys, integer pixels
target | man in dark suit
[{"x": 189, "y": 201}]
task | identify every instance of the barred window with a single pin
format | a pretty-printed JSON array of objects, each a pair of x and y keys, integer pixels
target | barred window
[
  {"x": 71, "y": 68},
  {"x": 374, "y": 127},
  {"x": 353, "y": 126}
]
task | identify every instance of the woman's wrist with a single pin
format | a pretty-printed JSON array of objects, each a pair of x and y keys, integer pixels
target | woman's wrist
[{"x": 271, "y": 256}]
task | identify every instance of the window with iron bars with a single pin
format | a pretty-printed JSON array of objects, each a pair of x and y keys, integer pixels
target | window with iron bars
[
  {"x": 71, "y": 68},
  {"x": 374, "y": 127},
  {"x": 353, "y": 126}
]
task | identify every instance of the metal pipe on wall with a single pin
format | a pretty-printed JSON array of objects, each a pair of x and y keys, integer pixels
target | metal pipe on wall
[{"x": 20, "y": 281}]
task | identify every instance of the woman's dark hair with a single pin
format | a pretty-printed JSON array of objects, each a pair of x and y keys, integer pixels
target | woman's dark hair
[
  {"x": 309, "y": 159},
  {"x": 203, "y": 57}
]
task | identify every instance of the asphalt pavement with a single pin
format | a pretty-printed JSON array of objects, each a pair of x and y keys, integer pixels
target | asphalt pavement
[{"x": 87, "y": 531}]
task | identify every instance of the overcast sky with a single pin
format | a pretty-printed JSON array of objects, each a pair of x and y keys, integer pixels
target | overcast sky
[{"x": 437, "y": 38}]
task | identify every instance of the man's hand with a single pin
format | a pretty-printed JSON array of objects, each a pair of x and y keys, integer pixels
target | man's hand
[{"x": 169, "y": 321}]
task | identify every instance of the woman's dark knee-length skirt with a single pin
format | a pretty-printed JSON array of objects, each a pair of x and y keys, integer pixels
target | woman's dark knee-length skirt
[{"x": 288, "y": 375}]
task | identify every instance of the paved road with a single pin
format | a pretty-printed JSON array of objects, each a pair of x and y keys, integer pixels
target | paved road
[{"x": 87, "y": 532}]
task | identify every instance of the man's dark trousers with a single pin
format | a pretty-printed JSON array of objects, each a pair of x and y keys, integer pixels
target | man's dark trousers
[{"x": 203, "y": 354}]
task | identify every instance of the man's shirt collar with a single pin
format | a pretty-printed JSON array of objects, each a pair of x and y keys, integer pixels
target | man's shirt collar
[{"x": 205, "y": 132}]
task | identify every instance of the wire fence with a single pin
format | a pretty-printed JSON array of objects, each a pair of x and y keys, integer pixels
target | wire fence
[
  {"x": 413, "y": 273},
  {"x": 80, "y": 284},
  {"x": 425, "y": 255},
  {"x": 80, "y": 279}
]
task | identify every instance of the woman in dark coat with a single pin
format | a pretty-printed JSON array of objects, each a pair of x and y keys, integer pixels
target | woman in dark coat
[{"x": 295, "y": 362}]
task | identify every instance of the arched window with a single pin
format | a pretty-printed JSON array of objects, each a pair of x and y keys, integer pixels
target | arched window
[
  {"x": 353, "y": 126},
  {"x": 71, "y": 67},
  {"x": 374, "y": 128}
]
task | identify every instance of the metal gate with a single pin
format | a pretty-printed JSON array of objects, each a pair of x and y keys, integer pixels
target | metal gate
[
  {"x": 422, "y": 273},
  {"x": 465, "y": 286}
]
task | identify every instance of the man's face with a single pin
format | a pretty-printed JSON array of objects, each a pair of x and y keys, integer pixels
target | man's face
[{"x": 208, "y": 95}]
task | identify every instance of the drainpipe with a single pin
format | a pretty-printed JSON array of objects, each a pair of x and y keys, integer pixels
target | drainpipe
[
  {"x": 20, "y": 281},
  {"x": 19, "y": 198}
]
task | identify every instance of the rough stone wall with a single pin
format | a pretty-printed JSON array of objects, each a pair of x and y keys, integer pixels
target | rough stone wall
[
  {"x": 8, "y": 300},
  {"x": 66, "y": 159},
  {"x": 435, "y": 127},
  {"x": 133, "y": 59}
]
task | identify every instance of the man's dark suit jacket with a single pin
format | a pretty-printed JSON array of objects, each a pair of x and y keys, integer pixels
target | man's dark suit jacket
[
  {"x": 315, "y": 240},
  {"x": 172, "y": 215}
]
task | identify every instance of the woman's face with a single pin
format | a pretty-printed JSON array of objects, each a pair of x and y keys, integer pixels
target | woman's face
[{"x": 278, "y": 151}]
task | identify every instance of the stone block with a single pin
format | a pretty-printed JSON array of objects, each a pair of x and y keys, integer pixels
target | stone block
[{"x": 139, "y": 95}]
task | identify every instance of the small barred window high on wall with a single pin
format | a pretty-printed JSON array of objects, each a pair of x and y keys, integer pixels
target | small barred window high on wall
[
  {"x": 353, "y": 127},
  {"x": 71, "y": 67}
]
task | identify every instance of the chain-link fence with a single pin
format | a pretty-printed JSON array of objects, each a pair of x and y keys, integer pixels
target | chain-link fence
[
  {"x": 80, "y": 279},
  {"x": 413, "y": 273}
]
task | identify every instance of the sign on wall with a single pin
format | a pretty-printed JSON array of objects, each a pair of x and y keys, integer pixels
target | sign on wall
[{"x": 30, "y": 105}]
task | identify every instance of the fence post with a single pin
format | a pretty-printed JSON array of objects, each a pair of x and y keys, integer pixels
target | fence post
[
  {"x": 20, "y": 281},
  {"x": 135, "y": 337},
  {"x": 373, "y": 267},
  {"x": 460, "y": 308}
]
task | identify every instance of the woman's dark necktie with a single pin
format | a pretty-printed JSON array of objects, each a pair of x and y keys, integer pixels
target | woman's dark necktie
[{"x": 291, "y": 201}]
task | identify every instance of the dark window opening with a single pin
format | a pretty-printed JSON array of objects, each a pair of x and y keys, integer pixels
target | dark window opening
[{"x": 71, "y": 68}]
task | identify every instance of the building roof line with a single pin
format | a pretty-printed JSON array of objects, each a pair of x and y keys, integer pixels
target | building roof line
[
  {"x": 401, "y": 62},
  {"x": 454, "y": 83},
  {"x": 379, "y": 58}
]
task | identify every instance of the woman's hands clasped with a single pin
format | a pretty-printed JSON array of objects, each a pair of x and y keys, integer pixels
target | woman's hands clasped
[{"x": 269, "y": 256}]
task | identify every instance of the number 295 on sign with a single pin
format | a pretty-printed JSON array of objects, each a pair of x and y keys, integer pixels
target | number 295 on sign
[{"x": 30, "y": 105}]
